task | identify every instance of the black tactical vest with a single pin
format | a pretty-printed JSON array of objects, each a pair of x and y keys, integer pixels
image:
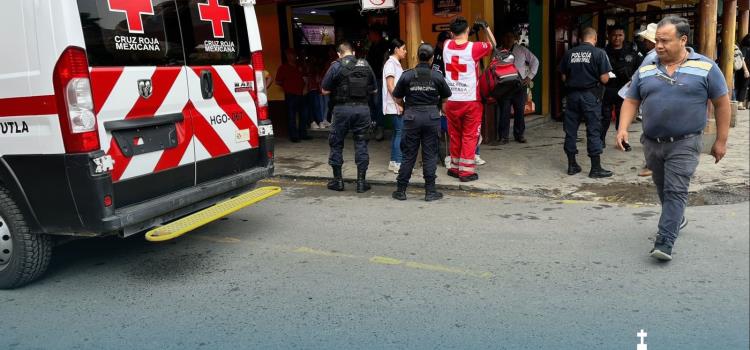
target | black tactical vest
[
  {"x": 353, "y": 81},
  {"x": 422, "y": 89}
]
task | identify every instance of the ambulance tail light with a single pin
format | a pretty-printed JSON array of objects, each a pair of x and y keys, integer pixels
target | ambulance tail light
[
  {"x": 260, "y": 83},
  {"x": 75, "y": 104}
]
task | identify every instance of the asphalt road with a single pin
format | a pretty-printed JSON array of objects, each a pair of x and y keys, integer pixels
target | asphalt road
[{"x": 311, "y": 269}]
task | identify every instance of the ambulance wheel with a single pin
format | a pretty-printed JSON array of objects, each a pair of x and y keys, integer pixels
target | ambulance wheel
[{"x": 23, "y": 256}]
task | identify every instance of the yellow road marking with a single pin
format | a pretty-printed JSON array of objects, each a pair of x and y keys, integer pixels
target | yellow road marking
[
  {"x": 385, "y": 260},
  {"x": 380, "y": 260},
  {"x": 485, "y": 195},
  {"x": 218, "y": 239},
  {"x": 308, "y": 250}
]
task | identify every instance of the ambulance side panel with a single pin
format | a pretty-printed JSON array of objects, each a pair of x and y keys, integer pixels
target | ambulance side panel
[{"x": 30, "y": 138}]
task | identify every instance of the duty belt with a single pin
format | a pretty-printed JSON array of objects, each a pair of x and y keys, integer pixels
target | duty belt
[{"x": 672, "y": 138}]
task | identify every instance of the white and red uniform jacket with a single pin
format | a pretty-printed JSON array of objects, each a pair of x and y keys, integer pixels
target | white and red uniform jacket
[{"x": 462, "y": 68}]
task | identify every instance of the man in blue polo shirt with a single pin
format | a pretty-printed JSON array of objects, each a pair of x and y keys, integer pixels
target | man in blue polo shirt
[{"x": 673, "y": 89}]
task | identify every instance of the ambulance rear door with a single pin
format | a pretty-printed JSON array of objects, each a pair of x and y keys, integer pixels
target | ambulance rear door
[
  {"x": 139, "y": 84},
  {"x": 221, "y": 84}
]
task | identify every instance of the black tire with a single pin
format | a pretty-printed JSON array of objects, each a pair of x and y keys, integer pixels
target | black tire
[{"x": 24, "y": 256}]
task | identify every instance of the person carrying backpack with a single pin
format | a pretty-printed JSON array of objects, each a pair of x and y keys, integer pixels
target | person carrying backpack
[{"x": 527, "y": 65}]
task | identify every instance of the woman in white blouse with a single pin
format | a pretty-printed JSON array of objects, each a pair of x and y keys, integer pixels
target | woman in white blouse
[{"x": 391, "y": 73}]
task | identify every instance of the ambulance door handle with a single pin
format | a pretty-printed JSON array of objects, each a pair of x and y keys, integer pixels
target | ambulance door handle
[{"x": 207, "y": 84}]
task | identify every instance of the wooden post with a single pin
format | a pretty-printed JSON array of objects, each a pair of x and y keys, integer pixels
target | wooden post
[
  {"x": 544, "y": 62},
  {"x": 707, "y": 37},
  {"x": 413, "y": 32},
  {"x": 744, "y": 22},
  {"x": 729, "y": 24}
]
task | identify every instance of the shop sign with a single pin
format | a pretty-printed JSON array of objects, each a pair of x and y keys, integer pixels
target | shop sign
[
  {"x": 446, "y": 8},
  {"x": 441, "y": 27},
  {"x": 377, "y": 4}
]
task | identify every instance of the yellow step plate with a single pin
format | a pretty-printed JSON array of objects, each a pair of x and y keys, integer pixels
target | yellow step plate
[{"x": 184, "y": 225}]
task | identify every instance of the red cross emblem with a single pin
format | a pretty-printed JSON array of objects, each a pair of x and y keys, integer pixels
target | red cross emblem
[
  {"x": 455, "y": 68},
  {"x": 133, "y": 10},
  {"x": 216, "y": 14}
]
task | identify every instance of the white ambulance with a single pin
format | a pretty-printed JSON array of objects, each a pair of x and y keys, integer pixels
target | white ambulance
[{"x": 119, "y": 116}]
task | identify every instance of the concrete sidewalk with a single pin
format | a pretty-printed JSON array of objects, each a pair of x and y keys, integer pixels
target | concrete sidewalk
[{"x": 538, "y": 167}]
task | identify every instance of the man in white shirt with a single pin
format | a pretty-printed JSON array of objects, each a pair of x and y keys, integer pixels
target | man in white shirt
[{"x": 527, "y": 65}]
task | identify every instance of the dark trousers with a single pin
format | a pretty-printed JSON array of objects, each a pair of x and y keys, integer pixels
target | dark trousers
[
  {"x": 295, "y": 105},
  {"x": 421, "y": 126},
  {"x": 607, "y": 107},
  {"x": 518, "y": 101},
  {"x": 346, "y": 117},
  {"x": 673, "y": 165},
  {"x": 376, "y": 105},
  {"x": 583, "y": 105},
  {"x": 740, "y": 84}
]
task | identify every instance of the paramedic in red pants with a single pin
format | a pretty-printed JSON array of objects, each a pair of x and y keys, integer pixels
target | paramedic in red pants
[{"x": 464, "y": 108}]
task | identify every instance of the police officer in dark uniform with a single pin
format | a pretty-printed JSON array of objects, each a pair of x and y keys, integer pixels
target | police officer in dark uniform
[
  {"x": 585, "y": 68},
  {"x": 419, "y": 91},
  {"x": 625, "y": 60},
  {"x": 352, "y": 83}
]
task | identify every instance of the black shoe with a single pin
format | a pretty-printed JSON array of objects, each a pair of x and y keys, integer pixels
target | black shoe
[
  {"x": 574, "y": 168},
  {"x": 662, "y": 250},
  {"x": 294, "y": 140},
  {"x": 683, "y": 223},
  {"x": 362, "y": 185},
  {"x": 503, "y": 141},
  {"x": 453, "y": 173},
  {"x": 430, "y": 196},
  {"x": 521, "y": 139},
  {"x": 599, "y": 173},
  {"x": 399, "y": 194},
  {"x": 336, "y": 184},
  {"x": 472, "y": 177}
]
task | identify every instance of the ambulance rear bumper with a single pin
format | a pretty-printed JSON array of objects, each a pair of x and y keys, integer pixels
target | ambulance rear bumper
[
  {"x": 62, "y": 194},
  {"x": 143, "y": 216}
]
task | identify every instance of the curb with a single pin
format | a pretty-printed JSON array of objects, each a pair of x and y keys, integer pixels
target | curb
[{"x": 450, "y": 187}]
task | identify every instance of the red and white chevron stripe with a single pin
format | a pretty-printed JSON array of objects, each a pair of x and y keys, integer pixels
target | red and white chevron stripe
[{"x": 203, "y": 133}]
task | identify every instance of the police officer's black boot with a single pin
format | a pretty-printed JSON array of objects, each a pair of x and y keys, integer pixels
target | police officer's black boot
[
  {"x": 337, "y": 183},
  {"x": 362, "y": 185},
  {"x": 596, "y": 169},
  {"x": 573, "y": 167},
  {"x": 431, "y": 194},
  {"x": 400, "y": 193}
]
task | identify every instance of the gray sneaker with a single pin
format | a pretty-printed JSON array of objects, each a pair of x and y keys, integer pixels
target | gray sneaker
[{"x": 662, "y": 250}]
